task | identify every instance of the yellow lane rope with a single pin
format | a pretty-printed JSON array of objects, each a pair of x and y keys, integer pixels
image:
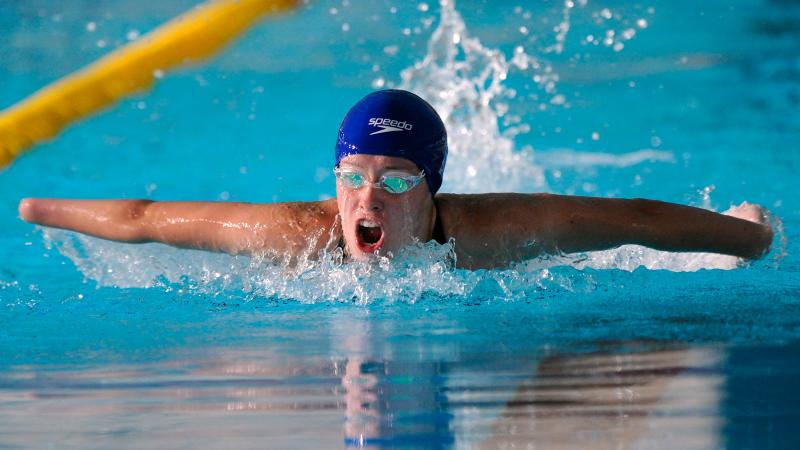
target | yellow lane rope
[{"x": 188, "y": 38}]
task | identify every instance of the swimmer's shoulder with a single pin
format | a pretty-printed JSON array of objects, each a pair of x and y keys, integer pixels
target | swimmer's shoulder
[
  {"x": 295, "y": 228},
  {"x": 492, "y": 229},
  {"x": 322, "y": 209},
  {"x": 312, "y": 215},
  {"x": 482, "y": 210}
]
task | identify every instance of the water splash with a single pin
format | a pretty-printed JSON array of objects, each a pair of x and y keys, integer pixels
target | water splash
[
  {"x": 464, "y": 81},
  {"x": 418, "y": 271}
]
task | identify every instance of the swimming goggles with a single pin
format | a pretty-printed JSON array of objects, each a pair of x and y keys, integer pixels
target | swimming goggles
[{"x": 391, "y": 182}]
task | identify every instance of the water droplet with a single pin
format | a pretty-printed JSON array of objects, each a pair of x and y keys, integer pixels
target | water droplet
[
  {"x": 628, "y": 34},
  {"x": 333, "y": 11},
  {"x": 423, "y": 7},
  {"x": 595, "y": 136},
  {"x": 132, "y": 35},
  {"x": 101, "y": 43},
  {"x": 91, "y": 27},
  {"x": 523, "y": 30},
  {"x": 655, "y": 141},
  {"x": 641, "y": 23},
  {"x": 605, "y": 13},
  {"x": 345, "y": 27},
  {"x": 378, "y": 83},
  {"x": 158, "y": 73}
]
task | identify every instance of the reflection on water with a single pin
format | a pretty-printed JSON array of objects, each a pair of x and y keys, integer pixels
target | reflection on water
[
  {"x": 609, "y": 400},
  {"x": 389, "y": 404},
  {"x": 625, "y": 395},
  {"x": 598, "y": 400}
]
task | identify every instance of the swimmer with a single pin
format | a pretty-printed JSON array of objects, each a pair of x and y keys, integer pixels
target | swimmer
[{"x": 390, "y": 159}]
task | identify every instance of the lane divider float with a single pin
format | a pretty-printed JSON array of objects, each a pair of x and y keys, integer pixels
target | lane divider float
[{"x": 189, "y": 38}]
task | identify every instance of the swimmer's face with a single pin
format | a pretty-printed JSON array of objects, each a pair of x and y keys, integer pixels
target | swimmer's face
[{"x": 375, "y": 221}]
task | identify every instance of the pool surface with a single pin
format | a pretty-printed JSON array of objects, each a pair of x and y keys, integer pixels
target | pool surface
[{"x": 106, "y": 345}]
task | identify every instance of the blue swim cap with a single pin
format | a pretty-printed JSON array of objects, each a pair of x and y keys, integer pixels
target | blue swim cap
[{"x": 396, "y": 123}]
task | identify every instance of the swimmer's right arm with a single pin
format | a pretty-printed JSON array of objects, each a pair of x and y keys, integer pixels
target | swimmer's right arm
[{"x": 235, "y": 228}]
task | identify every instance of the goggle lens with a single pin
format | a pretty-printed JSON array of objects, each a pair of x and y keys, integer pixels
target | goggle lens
[
  {"x": 352, "y": 180},
  {"x": 396, "y": 185},
  {"x": 393, "y": 184}
]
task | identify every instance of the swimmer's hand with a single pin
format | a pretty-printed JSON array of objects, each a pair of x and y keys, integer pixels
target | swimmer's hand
[
  {"x": 757, "y": 214},
  {"x": 748, "y": 211}
]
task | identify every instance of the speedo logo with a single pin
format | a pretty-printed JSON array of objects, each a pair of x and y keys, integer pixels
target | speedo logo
[{"x": 389, "y": 125}]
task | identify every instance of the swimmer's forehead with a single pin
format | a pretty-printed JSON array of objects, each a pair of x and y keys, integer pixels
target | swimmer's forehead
[{"x": 379, "y": 163}]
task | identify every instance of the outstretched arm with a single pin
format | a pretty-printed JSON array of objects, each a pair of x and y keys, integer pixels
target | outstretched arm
[
  {"x": 236, "y": 228},
  {"x": 495, "y": 229}
]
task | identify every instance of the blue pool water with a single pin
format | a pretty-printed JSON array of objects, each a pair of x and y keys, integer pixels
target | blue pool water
[{"x": 106, "y": 345}]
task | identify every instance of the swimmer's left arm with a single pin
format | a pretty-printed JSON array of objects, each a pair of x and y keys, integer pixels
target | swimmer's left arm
[{"x": 496, "y": 229}]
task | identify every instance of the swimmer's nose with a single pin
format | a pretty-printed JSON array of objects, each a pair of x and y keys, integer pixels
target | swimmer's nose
[{"x": 371, "y": 198}]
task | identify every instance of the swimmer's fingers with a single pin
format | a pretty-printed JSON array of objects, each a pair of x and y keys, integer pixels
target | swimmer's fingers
[
  {"x": 36, "y": 210},
  {"x": 757, "y": 214},
  {"x": 748, "y": 211}
]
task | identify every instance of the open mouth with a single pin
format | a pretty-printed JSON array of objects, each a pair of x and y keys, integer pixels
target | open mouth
[{"x": 369, "y": 235}]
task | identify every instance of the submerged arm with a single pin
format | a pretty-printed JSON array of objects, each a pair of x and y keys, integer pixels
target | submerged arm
[
  {"x": 509, "y": 227},
  {"x": 236, "y": 228}
]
